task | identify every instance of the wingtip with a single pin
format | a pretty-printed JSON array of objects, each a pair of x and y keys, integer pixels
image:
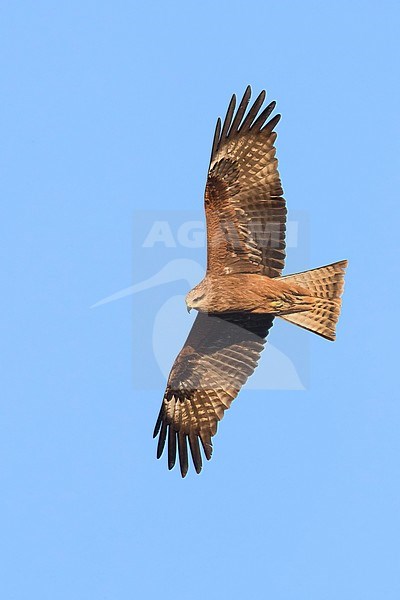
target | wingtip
[
  {"x": 159, "y": 421},
  {"x": 270, "y": 126},
  {"x": 228, "y": 118},
  {"x": 207, "y": 447},
  {"x": 252, "y": 113},
  {"x": 161, "y": 440}
]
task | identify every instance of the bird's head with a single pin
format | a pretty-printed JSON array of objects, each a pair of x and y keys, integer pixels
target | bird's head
[{"x": 196, "y": 298}]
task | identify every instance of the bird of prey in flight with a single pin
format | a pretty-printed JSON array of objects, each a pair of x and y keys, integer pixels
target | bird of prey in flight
[{"x": 243, "y": 289}]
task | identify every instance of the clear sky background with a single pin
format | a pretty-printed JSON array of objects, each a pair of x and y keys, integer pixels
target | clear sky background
[{"x": 108, "y": 108}]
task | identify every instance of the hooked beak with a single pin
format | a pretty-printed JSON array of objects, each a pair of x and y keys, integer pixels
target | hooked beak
[{"x": 188, "y": 308}]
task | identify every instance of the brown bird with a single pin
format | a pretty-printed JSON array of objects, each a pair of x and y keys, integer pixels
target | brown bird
[{"x": 243, "y": 289}]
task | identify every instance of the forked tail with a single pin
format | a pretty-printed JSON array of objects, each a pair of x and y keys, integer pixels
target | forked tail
[{"x": 326, "y": 285}]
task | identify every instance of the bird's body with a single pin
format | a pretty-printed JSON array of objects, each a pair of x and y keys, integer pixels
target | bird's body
[
  {"x": 224, "y": 294},
  {"x": 243, "y": 289}
]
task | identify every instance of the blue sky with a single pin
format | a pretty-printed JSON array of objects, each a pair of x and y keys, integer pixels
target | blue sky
[{"x": 108, "y": 112}]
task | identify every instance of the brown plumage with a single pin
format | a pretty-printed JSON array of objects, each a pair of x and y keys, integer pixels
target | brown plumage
[{"x": 243, "y": 289}]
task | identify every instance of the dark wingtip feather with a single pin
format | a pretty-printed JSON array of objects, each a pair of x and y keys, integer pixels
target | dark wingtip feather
[
  {"x": 159, "y": 421},
  {"x": 171, "y": 447},
  {"x": 216, "y": 139},
  {"x": 272, "y": 124},
  {"x": 207, "y": 445},
  {"x": 195, "y": 452},
  {"x": 247, "y": 95},
  {"x": 240, "y": 111},
  {"x": 259, "y": 122},
  {"x": 253, "y": 111},
  {"x": 228, "y": 117},
  {"x": 183, "y": 454},
  {"x": 161, "y": 439}
]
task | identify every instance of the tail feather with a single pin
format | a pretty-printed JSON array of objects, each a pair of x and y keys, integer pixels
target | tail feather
[{"x": 325, "y": 284}]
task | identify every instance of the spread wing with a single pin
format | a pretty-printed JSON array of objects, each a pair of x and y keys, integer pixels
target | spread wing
[
  {"x": 219, "y": 355},
  {"x": 245, "y": 210}
]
